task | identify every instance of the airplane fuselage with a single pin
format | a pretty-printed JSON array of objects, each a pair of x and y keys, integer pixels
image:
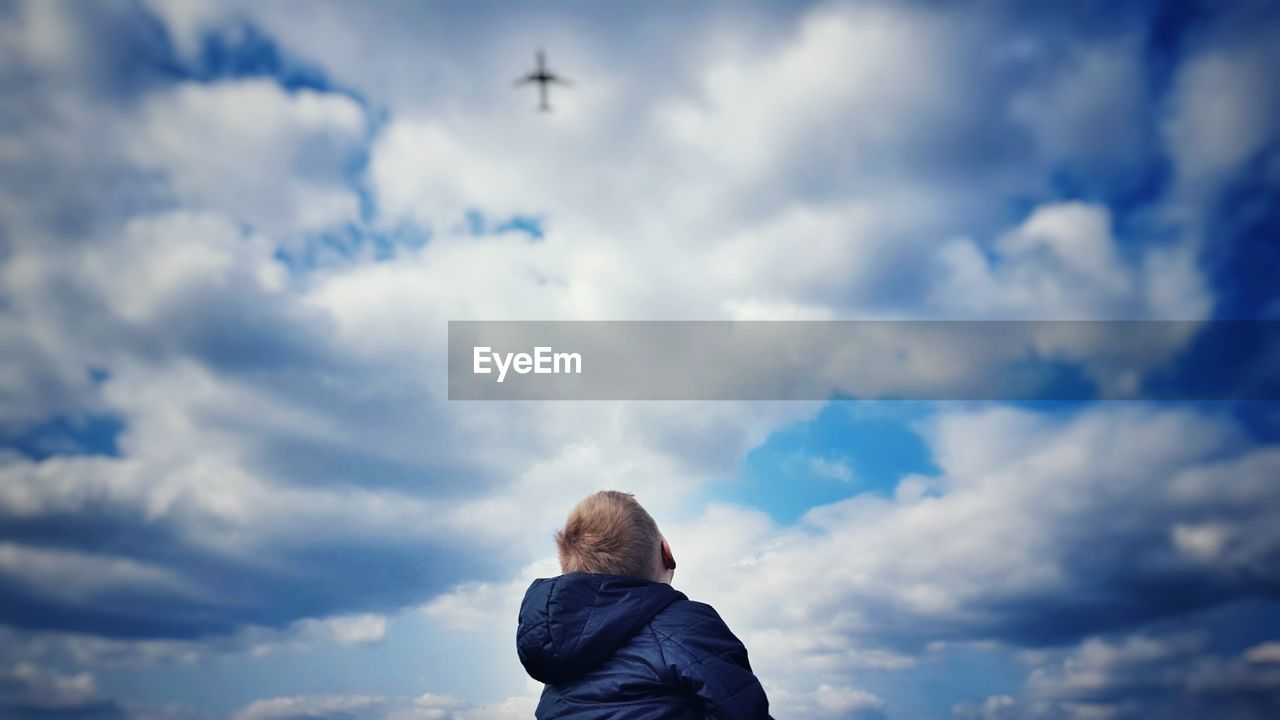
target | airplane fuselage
[{"x": 543, "y": 77}]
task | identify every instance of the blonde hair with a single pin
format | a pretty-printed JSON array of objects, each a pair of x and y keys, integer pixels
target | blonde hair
[{"x": 609, "y": 533}]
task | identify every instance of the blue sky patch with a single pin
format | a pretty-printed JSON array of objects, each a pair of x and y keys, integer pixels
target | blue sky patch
[
  {"x": 65, "y": 435},
  {"x": 847, "y": 449}
]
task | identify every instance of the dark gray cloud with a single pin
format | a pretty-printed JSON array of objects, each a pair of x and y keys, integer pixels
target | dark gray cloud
[{"x": 1187, "y": 669}]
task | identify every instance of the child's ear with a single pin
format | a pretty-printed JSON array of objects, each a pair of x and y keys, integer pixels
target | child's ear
[{"x": 668, "y": 560}]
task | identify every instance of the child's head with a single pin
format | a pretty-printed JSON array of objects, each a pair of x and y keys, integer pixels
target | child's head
[{"x": 610, "y": 533}]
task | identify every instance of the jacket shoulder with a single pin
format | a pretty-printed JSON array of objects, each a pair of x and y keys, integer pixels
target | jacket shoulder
[
  {"x": 709, "y": 661},
  {"x": 684, "y": 614},
  {"x": 688, "y": 631}
]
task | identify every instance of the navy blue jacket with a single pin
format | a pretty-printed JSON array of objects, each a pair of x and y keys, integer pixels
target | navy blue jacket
[{"x": 632, "y": 649}]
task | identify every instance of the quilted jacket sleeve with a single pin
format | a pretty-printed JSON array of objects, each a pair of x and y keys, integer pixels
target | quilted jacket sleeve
[{"x": 710, "y": 662}]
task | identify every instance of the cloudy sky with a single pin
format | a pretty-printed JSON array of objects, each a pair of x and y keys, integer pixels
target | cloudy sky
[{"x": 232, "y": 233}]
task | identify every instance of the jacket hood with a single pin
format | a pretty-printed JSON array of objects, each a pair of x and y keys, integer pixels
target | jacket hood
[{"x": 570, "y": 624}]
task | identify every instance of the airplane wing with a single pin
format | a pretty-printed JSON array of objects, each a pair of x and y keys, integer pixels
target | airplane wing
[
  {"x": 531, "y": 77},
  {"x": 558, "y": 79}
]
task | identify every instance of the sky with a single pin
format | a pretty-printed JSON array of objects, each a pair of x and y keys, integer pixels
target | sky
[{"x": 232, "y": 234}]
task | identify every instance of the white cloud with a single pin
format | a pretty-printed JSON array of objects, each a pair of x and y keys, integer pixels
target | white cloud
[
  {"x": 1222, "y": 111},
  {"x": 485, "y": 605},
  {"x": 240, "y": 147},
  {"x": 1268, "y": 652},
  {"x": 426, "y": 172},
  {"x": 1064, "y": 262},
  {"x": 995, "y": 707},
  {"x": 736, "y": 120},
  {"x": 312, "y": 706},
  {"x": 169, "y": 255},
  {"x": 43, "y": 33},
  {"x": 351, "y": 629},
  {"x": 428, "y": 706},
  {"x": 28, "y": 688},
  {"x": 846, "y": 702},
  {"x": 833, "y": 469}
]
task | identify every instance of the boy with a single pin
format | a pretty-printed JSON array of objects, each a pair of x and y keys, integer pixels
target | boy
[{"x": 610, "y": 638}]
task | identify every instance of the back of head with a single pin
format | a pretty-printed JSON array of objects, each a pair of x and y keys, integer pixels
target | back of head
[{"x": 610, "y": 533}]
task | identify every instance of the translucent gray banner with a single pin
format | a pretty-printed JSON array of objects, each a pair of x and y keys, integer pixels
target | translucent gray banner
[{"x": 907, "y": 360}]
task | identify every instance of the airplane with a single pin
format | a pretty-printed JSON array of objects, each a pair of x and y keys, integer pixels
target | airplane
[{"x": 543, "y": 77}]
